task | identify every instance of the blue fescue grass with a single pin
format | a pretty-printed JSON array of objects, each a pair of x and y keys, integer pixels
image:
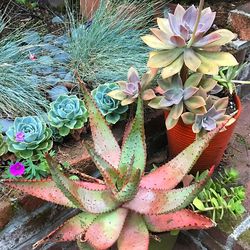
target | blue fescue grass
[
  {"x": 103, "y": 49},
  {"x": 19, "y": 94}
]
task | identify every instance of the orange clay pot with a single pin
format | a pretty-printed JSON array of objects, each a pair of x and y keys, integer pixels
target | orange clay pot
[
  {"x": 88, "y": 7},
  {"x": 182, "y": 135}
]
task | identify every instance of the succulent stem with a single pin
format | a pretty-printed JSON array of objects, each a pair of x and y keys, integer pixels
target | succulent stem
[{"x": 201, "y": 4}]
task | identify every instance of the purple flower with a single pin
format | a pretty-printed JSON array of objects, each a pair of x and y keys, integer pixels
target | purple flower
[
  {"x": 20, "y": 136},
  {"x": 17, "y": 169}
]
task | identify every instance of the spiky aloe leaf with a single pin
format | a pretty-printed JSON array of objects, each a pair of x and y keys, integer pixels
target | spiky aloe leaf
[
  {"x": 149, "y": 201},
  {"x": 129, "y": 189},
  {"x": 170, "y": 174},
  {"x": 108, "y": 172},
  {"x": 93, "y": 201},
  {"x": 106, "y": 229},
  {"x": 44, "y": 189},
  {"x": 134, "y": 234},
  {"x": 104, "y": 140},
  {"x": 184, "y": 219},
  {"x": 70, "y": 230},
  {"x": 134, "y": 146}
]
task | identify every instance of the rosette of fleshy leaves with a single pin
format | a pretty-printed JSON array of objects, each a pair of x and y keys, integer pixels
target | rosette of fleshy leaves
[
  {"x": 177, "y": 98},
  {"x": 130, "y": 90},
  {"x": 67, "y": 113},
  {"x": 3, "y": 145},
  {"x": 181, "y": 40},
  {"x": 28, "y": 137},
  {"x": 110, "y": 108},
  {"x": 127, "y": 204},
  {"x": 210, "y": 116},
  {"x": 226, "y": 77}
]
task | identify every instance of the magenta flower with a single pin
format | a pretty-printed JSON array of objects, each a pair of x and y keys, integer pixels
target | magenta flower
[
  {"x": 32, "y": 57},
  {"x": 17, "y": 169},
  {"x": 20, "y": 136}
]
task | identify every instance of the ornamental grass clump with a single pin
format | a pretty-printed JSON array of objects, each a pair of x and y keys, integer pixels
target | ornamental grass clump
[
  {"x": 110, "y": 108},
  {"x": 127, "y": 204},
  {"x": 28, "y": 137},
  {"x": 181, "y": 40},
  {"x": 104, "y": 47},
  {"x": 67, "y": 113}
]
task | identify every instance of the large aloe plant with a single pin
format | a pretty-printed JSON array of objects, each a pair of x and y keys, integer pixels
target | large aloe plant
[{"x": 127, "y": 204}]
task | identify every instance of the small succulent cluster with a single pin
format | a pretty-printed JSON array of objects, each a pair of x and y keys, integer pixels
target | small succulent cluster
[
  {"x": 181, "y": 40},
  {"x": 67, "y": 113},
  {"x": 3, "y": 145},
  {"x": 29, "y": 136},
  {"x": 130, "y": 90},
  {"x": 126, "y": 205},
  {"x": 221, "y": 194},
  {"x": 111, "y": 108}
]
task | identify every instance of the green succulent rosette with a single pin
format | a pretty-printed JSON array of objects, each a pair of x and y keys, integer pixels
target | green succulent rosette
[
  {"x": 3, "y": 146},
  {"x": 110, "y": 108},
  {"x": 67, "y": 113},
  {"x": 28, "y": 137}
]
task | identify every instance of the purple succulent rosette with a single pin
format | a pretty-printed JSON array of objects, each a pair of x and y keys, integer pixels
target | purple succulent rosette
[
  {"x": 181, "y": 40},
  {"x": 28, "y": 136},
  {"x": 130, "y": 90},
  {"x": 17, "y": 169}
]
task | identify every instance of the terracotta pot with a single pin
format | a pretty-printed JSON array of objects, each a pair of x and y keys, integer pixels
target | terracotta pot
[
  {"x": 88, "y": 7},
  {"x": 182, "y": 136}
]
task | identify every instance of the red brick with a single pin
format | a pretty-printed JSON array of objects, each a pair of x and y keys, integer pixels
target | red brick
[
  {"x": 6, "y": 213},
  {"x": 239, "y": 19}
]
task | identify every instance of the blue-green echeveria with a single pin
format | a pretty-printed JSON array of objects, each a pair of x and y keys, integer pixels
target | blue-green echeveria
[
  {"x": 29, "y": 136},
  {"x": 109, "y": 107},
  {"x": 67, "y": 113}
]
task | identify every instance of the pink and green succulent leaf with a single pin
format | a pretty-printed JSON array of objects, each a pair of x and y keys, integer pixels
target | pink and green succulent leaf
[
  {"x": 44, "y": 189},
  {"x": 104, "y": 140},
  {"x": 134, "y": 147},
  {"x": 193, "y": 80},
  {"x": 108, "y": 172},
  {"x": 93, "y": 201},
  {"x": 134, "y": 234},
  {"x": 149, "y": 201},
  {"x": 129, "y": 188},
  {"x": 170, "y": 174},
  {"x": 70, "y": 230},
  {"x": 105, "y": 230},
  {"x": 180, "y": 220},
  {"x": 173, "y": 68}
]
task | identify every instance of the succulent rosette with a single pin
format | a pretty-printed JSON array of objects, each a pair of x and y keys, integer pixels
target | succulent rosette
[
  {"x": 181, "y": 40},
  {"x": 67, "y": 113},
  {"x": 110, "y": 107},
  {"x": 3, "y": 145},
  {"x": 130, "y": 90},
  {"x": 177, "y": 97},
  {"x": 28, "y": 136},
  {"x": 213, "y": 115}
]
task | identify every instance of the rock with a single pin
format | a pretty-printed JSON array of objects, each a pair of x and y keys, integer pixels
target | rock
[
  {"x": 239, "y": 19},
  {"x": 57, "y": 20},
  {"x": 55, "y": 92},
  {"x": 62, "y": 58},
  {"x": 5, "y": 124},
  {"x": 31, "y": 37},
  {"x": 49, "y": 38},
  {"x": 69, "y": 77},
  {"x": 6, "y": 213},
  {"x": 51, "y": 80},
  {"x": 62, "y": 40},
  {"x": 42, "y": 70},
  {"x": 45, "y": 60}
]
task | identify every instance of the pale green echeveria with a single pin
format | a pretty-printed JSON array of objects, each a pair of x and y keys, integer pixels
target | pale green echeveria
[
  {"x": 177, "y": 42},
  {"x": 130, "y": 90},
  {"x": 213, "y": 114},
  {"x": 3, "y": 145},
  {"x": 67, "y": 113},
  {"x": 178, "y": 98},
  {"x": 28, "y": 137},
  {"x": 110, "y": 108}
]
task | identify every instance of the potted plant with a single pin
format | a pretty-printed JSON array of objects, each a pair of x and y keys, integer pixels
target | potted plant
[
  {"x": 126, "y": 204},
  {"x": 189, "y": 58}
]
